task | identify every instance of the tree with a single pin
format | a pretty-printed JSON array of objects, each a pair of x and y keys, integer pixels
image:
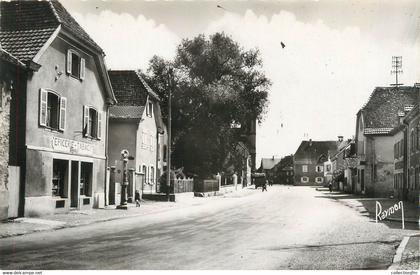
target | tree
[{"x": 215, "y": 82}]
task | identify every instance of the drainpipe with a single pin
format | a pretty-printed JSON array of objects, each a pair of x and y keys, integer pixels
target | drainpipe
[{"x": 106, "y": 151}]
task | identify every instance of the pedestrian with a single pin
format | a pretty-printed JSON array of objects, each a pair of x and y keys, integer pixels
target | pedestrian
[
  {"x": 137, "y": 198},
  {"x": 264, "y": 186},
  {"x": 330, "y": 186}
]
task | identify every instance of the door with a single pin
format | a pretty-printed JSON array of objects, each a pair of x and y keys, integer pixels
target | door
[{"x": 74, "y": 191}]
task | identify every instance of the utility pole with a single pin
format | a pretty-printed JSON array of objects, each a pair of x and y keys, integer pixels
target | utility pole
[
  {"x": 396, "y": 69},
  {"x": 168, "y": 180}
]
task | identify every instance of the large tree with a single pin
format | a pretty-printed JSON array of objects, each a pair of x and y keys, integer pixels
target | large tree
[{"x": 214, "y": 82}]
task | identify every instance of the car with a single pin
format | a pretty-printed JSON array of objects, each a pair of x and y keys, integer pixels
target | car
[{"x": 258, "y": 179}]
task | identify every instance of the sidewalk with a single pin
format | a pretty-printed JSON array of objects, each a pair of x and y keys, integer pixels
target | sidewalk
[
  {"x": 407, "y": 256},
  {"x": 26, "y": 225}
]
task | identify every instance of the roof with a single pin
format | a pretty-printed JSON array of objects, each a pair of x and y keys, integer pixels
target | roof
[
  {"x": 269, "y": 163},
  {"x": 285, "y": 162},
  {"x": 126, "y": 112},
  {"x": 27, "y": 25},
  {"x": 5, "y": 56},
  {"x": 314, "y": 149},
  {"x": 380, "y": 113},
  {"x": 130, "y": 88}
]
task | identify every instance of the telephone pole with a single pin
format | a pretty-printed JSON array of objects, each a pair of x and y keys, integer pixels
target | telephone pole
[
  {"x": 168, "y": 154},
  {"x": 396, "y": 69}
]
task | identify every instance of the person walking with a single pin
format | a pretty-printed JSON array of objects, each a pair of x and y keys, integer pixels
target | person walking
[
  {"x": 330, "y": 186},
  {"x": 264, "y": 186},
  {"x": 137, "y": 198}
]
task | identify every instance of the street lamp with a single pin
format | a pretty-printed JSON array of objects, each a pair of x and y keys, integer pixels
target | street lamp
[
  {"x": 168, "y": 176},
  {"x": 124, "y": 183}
]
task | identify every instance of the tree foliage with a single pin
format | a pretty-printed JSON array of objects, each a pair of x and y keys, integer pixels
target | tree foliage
[{"x": 214, "y": 82}]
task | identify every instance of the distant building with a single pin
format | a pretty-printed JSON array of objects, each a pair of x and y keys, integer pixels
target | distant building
[
  {"x": 344, "y": 166},
  {"x": 308, "y": 162},
  {"x": 267, "y": 165},
  {"x": 283, "y": 171},
  {"x": 376, "y": 125}
]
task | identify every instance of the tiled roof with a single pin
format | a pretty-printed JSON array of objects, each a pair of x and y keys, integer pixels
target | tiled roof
[
  {"x": 128, "y": 112},
  {"x": 5, "y": 56},
  {"x": 268, "y": 163},
  {"x": 129, "y": 88},
  {"x": 25, "y": 26},
  {"x": 314, "y": 149},
  {"x": 380, "y": 113}
]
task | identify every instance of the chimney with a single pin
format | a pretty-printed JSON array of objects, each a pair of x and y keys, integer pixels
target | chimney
[
  {"x": 340, "y": 138},
  {"x": 310, "y": 142},
  {"x": 273, "y": 158}
]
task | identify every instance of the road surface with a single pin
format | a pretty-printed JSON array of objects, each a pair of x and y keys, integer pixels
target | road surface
[{"x": 284, "y": 228}]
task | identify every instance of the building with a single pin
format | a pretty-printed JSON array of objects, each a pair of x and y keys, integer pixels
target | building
[
  {"x": 136, "y": 124},
  {"x": 343, "y": 166},
  {"x": 375, "y": 127},
  {"x": 400, "y": 161},
  {"x": 11, "y": 70},
  {"x": 63, "y": 106},
  {"x": 283, "y": 171},
  {"x": 267, "y": 165},
  {"x": 308, "y": 162}
]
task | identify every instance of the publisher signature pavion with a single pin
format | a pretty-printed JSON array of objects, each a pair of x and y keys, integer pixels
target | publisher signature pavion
[{"x": 381, "y": 215}]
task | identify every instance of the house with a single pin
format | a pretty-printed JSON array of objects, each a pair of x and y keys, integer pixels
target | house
[
  {"x": 136, "y": 124},
  {"x": 267, "y": 165},
  {"x": 343, "y": 167},
  {"x": 59, "y": 153},
  {"x": 11, "y": 69},
  {"x": 406, "y": 182},
  {"x": 283, "y": 171},
  {"x": 375, "y": 127},
  {"x": 308, "y": 162}
]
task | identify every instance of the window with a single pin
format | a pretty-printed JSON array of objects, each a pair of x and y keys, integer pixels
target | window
[
  {"x": 165, "y": 153},
  {"x": 320, "y": 169},
  {"x": 152, "y": 174},
  {"x": 304, "y": 179},
  {"x": 319, "y": 180},
  {"x": 86, "y": 178},
  {"x": 144, "y": 170},
  {"x": 52, "y": 110},
  {"x": 328, "y": 167},
  {"x": 412, "y": 139},
  {"x": 149, "y": 109},
  {"x": 75, "y": 65},
  {"x": 92, "y": 123},
  {"x": 304, "y": 168}
]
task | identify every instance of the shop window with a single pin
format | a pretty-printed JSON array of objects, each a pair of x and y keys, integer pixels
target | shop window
[
  {"x": 75, "y": 65},
  {"x": 52, "y": 110},
  {"x": 59, "y": 178},
  {"x": 92, "y": 122},
  {"x": 86, "y": 179}
]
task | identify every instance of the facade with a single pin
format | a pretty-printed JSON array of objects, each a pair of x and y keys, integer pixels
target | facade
[
  {"x": 136, "y": 125},
  {"x": 308, "y": 162},
  {"x": 343, "y": 166},
  {"x": 64, "y": 103},
  {"x": 283, "y": 171},
  {"x": 400, "y": 163},
  {"x": 375, "y": 127}
]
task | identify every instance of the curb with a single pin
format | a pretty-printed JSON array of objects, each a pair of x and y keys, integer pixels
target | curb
[
  {"x": 398, "y": 254},
  {"x": 399, "y": 220}
]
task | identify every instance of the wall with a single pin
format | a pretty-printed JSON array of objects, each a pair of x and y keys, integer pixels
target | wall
[
  {"x": 398, "y": 167},
  {"x": 413, "y": 188},
  {"x": 311, "y": 174}
]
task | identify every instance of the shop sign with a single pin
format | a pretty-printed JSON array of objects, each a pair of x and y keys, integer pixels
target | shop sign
[{"x": 71, "y": 146}]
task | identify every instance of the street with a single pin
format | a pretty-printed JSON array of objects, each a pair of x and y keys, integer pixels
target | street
[{"x": 284, "y": 228}]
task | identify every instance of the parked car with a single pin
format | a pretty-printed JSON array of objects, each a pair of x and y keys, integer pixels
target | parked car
[{"x": 258, "y": 179}]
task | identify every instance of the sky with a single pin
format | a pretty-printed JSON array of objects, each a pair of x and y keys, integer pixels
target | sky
[{"x": 336, "y": 52}]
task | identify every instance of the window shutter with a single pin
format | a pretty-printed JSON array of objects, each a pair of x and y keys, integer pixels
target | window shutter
[
  {"x": 68, "y": 69},
  {"x": 86, "y": 129},
  {"x": 99, "y": 134},
  {"x": 82, "y": 68},
  {"x": 43, "y": 98},
  {"x": 63, "y": 107}
]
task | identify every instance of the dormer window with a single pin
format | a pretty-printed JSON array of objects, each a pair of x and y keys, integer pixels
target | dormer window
[{"x": 75, "y": 65}]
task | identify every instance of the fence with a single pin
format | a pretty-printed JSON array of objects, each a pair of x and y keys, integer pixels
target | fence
[{"x": 179, "y": 186}]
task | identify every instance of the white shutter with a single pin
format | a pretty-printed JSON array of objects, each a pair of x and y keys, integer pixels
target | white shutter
[
  {"x": 68, "y": 69},
  {"x": 43, "y": 98},
  {"x": 85, "y": 128},
  {"x": 63, "y": 107},
  {"x": 82, "y": 68},
  {"x": 99, "y": 135}
]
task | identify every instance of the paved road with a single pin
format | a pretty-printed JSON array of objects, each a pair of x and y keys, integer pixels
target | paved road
[{"x": 285, "y": 228}]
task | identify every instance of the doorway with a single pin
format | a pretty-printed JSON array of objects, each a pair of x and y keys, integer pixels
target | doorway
[{"x": 74, "y": 192}]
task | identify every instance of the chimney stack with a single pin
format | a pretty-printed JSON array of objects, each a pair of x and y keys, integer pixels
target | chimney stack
[{"x": 340, "y": 138}]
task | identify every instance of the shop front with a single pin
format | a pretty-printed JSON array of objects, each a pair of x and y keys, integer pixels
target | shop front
[{"x": 65, "y": 176}]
